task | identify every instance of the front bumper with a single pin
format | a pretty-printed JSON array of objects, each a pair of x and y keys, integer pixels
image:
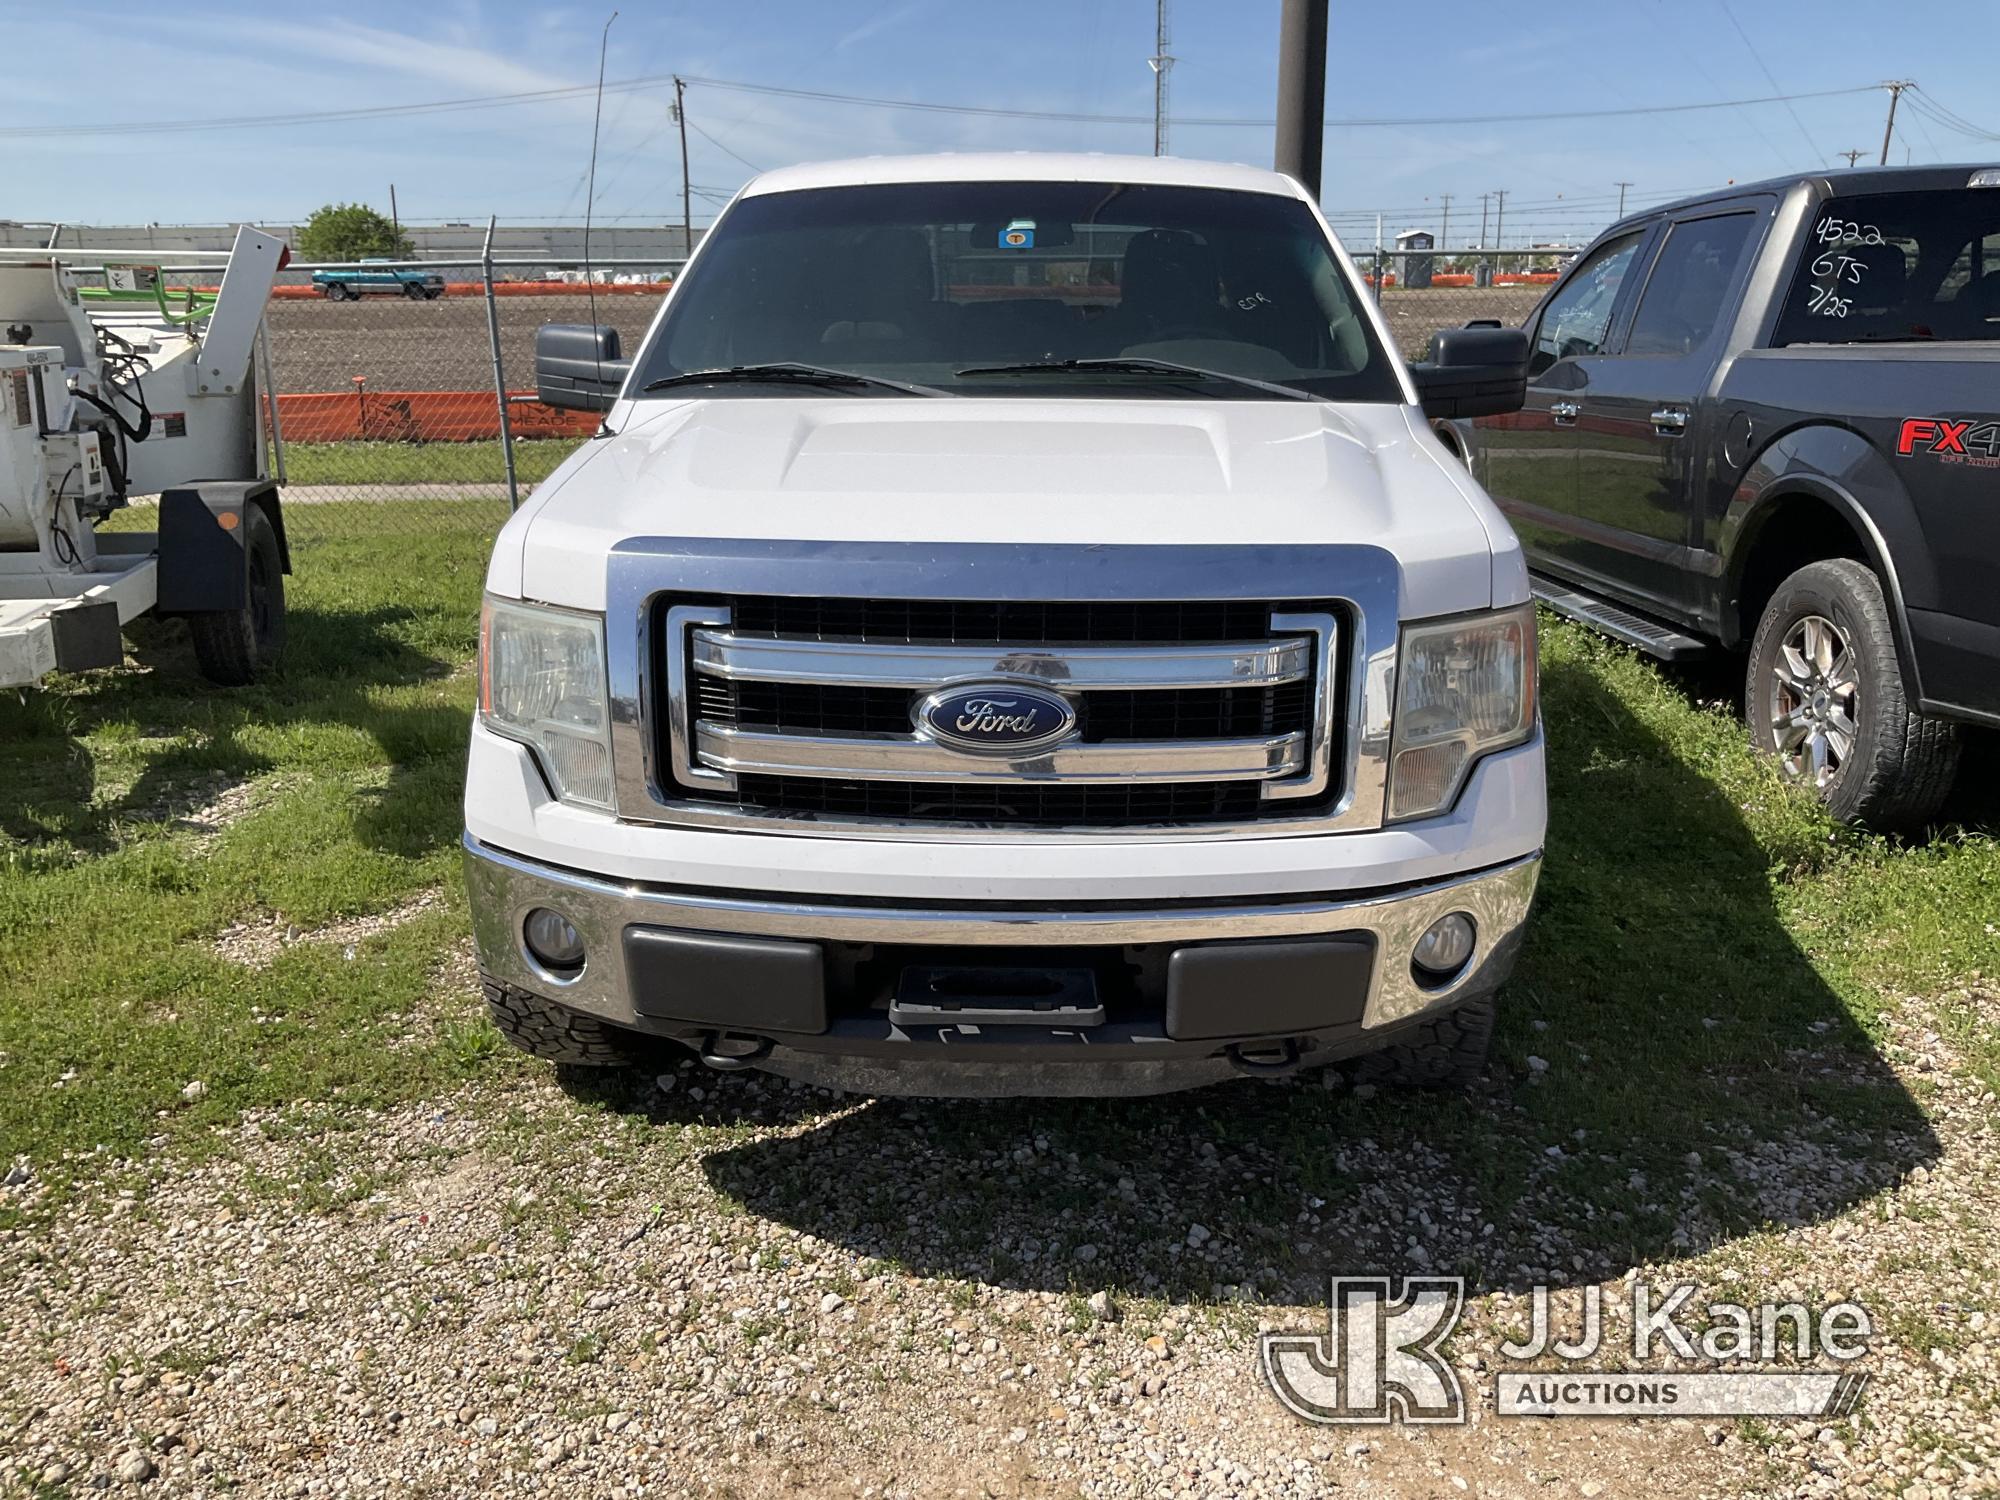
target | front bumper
[{"x": 852, "y": 1042}]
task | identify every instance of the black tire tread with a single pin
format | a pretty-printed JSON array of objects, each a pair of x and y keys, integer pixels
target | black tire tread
[
  {"x": 1911, "y": 758},
  {"x": 1448, "y": 1052},
  {"x": 226, "y": 648},
  {"x": 553, "y": 1032}
]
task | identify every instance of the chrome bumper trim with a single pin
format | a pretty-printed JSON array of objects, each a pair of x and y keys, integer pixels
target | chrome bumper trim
[
  {"x": 857, "y": 757},
  {"x": 503, "y": 888},
  {"x": 721, "y": 653}
]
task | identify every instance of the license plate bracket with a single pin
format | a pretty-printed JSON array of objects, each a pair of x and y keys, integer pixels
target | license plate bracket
[{"x": 995, "y": 995}]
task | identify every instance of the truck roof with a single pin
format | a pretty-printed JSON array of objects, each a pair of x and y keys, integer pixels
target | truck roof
[
  {"x": 1847, "y": 180},
  {"x": 1024, "y": 166}
]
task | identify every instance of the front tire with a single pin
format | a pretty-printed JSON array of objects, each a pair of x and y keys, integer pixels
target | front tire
[
  {"x": 232, "y": 646},
  {"x": 1448, "y": 1052},
  {"x": 553, "y": 1032},
  {"x": 1824, "y": 695}
]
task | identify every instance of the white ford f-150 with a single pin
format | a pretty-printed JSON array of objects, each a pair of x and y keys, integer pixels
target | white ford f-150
[{"x": 1014, "y": 633}]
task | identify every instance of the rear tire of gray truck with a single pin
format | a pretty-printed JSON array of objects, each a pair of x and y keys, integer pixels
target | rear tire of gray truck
[
  {"x": 554, "y": 1033},
  {"x": 1824, "y": 694},
  {"x": 1446, "y": 1053},
  {"x": 232, "y": 646}
]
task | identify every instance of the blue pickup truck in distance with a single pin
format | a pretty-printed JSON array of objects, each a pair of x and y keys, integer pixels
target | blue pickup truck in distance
[{"x": 379, "y": 278}]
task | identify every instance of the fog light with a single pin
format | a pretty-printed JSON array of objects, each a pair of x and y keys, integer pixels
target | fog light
[
  {"x": 1443, "y": 949},
  {"x": 553, "y": 942}
]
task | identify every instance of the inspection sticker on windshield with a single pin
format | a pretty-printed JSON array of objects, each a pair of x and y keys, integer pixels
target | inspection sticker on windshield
[{"x": 1018, "y": 235}]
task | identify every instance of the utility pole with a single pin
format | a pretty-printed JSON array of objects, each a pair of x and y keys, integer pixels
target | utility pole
[
  {"x": 394, "y": 220},
  {"x": 1444, "y": 225},
  {"x": 1499, "y": 217},
  {"x": 1621, "y": 186},
  {"x": 1302, "y": 91},
  {"x": 687, "y": 212},
  {"x": 1852, "y": 156},
  {"x": 1895, "y": 92},
  {"x": 1161, "y": 64},
  {"x": 1483, "y": 197}
]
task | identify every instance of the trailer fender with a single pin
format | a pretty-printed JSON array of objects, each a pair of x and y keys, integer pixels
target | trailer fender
[{"x": 203, "y": 567}]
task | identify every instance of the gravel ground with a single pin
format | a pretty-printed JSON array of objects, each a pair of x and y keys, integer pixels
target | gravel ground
[
  {"x": 401, "y": 345},
  {"x": 695, "y": 1284}
]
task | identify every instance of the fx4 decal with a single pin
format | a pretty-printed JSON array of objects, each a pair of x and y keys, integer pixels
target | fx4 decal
[{"x": 1970, "y": 441}]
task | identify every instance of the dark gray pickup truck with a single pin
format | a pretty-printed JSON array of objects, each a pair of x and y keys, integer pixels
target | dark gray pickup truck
[{"x": 1768, "y": 421}]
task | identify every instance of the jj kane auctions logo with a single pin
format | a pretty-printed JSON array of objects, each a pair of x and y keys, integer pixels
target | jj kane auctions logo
[{"x": 1380, "y": 1359}]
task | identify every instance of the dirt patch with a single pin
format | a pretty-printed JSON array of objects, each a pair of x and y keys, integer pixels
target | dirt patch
[{"x": 256, "y": 944}]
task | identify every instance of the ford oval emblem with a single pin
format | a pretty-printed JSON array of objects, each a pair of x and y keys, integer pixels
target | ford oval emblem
[{"x": 1001, "y": 718}]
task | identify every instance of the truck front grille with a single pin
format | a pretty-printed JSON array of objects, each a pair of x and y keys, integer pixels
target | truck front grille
[{"x": 1184, "y": 713}]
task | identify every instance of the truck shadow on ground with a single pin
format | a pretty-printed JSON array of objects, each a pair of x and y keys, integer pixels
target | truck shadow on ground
[
  {"x": 1671, "y": 1073},
  {"x": 342, "y": 670}
]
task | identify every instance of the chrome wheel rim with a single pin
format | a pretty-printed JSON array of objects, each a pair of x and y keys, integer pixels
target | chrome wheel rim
[{"x": 1815, "y": 700}]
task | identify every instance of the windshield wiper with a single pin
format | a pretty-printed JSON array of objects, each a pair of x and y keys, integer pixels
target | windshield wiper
[
  {"x": 1131, "y": 366},
  {"x": 796, "y": 374}
]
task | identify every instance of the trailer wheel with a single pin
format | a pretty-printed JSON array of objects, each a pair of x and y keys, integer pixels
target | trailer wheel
[
  {"x": 414, "y": 290},
  {"x": 432, "y": 293},
  {"x": 232, "y": 646}
]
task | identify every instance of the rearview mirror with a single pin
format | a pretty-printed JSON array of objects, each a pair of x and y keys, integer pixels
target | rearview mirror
[
  {"x": 577, "y": 366},
  {"x": 1475, "y": 371}
]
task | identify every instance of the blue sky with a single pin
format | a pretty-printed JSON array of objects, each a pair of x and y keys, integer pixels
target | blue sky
[{"x": 112, "y": 63}]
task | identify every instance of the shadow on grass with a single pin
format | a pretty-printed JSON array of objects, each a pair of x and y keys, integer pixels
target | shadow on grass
[
  {"x": 338, "y": 668},
  {"x": 1671, "y": 1074}
]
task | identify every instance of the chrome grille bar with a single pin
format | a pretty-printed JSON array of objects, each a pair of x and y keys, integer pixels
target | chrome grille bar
[
  {"x": 912, "y": 758},
  {"x": 721, "y": 653}
]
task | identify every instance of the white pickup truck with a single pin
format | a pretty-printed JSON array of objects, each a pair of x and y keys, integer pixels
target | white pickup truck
[{"x": 1014, "y": 633}]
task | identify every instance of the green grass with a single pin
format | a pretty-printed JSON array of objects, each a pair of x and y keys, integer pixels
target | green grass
[
  {"x": 423, "y": 463},
  {"x": 1712, "y": 964},
  {"x": 350, "y": 759}
]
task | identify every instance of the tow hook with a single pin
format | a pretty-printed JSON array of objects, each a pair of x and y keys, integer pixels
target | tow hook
[
  {"x": 732, "y": 1054},
  {"x": 1266, "y": 1059}
]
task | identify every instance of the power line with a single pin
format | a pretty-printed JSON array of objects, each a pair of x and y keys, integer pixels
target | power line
[
  {"x": 580, "y": 91},
  {"x": 1769, "y": 77},
  {"x": 1385, "y": 122}
]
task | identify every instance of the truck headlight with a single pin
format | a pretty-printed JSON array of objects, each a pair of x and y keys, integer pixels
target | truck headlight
[
  {"x": 542, "y": 682},
  {"x": 1464, "y": 688}
]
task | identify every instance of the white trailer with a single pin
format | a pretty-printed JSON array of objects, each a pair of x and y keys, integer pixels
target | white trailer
[{"x": 110, "y": 389}]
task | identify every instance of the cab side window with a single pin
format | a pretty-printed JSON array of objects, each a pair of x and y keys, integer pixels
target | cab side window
[
  {"x": 1684, "y": 296},
  {"x": 1578, "y": 317}
]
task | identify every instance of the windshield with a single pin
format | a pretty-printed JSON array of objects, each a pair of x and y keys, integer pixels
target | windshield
[
  {"x": 1889, "y": 266},
  {"x": 937, "y": 284}
]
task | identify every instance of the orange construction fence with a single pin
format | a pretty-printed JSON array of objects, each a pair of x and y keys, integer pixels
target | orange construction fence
[{"x": 420, "y": 417}]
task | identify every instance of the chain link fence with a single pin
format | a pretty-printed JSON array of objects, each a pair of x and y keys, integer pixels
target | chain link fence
[
  {"x": 1422, "y": 291},
  {"x": 395, "y": 406}
]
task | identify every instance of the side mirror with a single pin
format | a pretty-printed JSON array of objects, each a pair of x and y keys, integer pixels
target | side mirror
[
  {"x": 1474, "y": 371},
  {"x": 577, "y": 365}
]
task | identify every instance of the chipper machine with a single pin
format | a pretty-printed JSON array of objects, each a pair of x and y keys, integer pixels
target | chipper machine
[{"x": 112, "y": 388}]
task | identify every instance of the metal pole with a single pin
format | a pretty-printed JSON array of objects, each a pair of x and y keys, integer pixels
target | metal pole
[
  {"x": 395, "y": 219},
  {"x": 1483, "y": 197},
  {"x": 1302, "y": 91},
  {"x": 1160, "y": 63},
  {"x": 687, "y": 213},
  {"x": 499, "y": 374},
  {"x": 1380, "y": 267},
  {"x": 1621, "y": 186},
  {"x": 1895, "y": 93},
  {"x": 1444, "y": 228},
  {"x": 271, "y": 398},
  {"x": 1499, "y": 218}
]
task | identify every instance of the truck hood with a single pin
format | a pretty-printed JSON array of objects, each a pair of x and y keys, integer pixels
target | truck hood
[{"x": 1005, "y": 470}]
